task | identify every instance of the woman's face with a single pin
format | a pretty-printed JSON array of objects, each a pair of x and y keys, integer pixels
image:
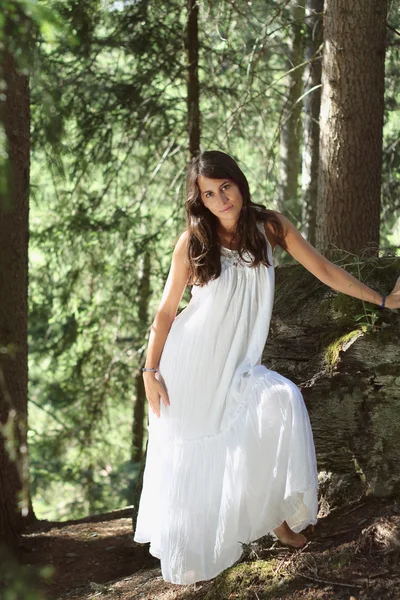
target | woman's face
[{"x": 222, "y": 197}]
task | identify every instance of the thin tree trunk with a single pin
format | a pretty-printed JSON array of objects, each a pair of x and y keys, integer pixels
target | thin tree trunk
[
  {"x": 193, "y": 124},
  {"x": 144, "y": 294},
  {"x": 312, "y": 103},
  {"x": 14, "y": 231},
  {"x": 138, "y": 490},
  {"x": 351, "y": 126},
  {"x": 290, "y": 158},
  {"x": 138, "y": 419},
  {"x": 193, "y": 87}
]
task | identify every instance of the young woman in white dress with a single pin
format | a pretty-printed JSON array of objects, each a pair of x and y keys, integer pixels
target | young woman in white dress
[{"x": 197, "y": 368}]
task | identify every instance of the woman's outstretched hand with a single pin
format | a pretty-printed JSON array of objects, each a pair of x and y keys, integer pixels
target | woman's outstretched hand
[
  {"x": 393, "y": 299},
  {"x": 154, "y": 391}
]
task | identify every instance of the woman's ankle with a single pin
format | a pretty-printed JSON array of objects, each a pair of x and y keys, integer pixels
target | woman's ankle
[{"x": 283, "y": 527}]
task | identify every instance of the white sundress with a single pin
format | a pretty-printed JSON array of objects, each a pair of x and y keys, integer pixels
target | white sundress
[{"x": 233, "y": 455}]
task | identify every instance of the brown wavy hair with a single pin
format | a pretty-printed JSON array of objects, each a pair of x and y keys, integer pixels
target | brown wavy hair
[{"x": 204, "y": 248}]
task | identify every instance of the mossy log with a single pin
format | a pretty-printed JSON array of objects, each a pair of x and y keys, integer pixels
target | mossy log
[{"x": 344, "y": 356}]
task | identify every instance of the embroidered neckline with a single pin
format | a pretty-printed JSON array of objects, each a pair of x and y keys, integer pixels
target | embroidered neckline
[
  {"x": 232, "y": 256},
  {"x": 230, "y": 249},
  {"x": 260, "y": 225}
]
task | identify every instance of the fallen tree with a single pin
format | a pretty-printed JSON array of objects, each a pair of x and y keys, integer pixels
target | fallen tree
[{"x": 344, "y": 356}]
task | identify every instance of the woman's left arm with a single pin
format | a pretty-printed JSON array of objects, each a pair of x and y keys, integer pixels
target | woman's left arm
[{"x": 331, "y": 274}]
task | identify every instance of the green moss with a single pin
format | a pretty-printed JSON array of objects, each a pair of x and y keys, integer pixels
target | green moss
[
  {"x": 344, "y": 304},
  {"x": 339, "y": 345},
  {"x": 295, "y": 286},
  {"x": 360, "y": 471},
  {"x": 237, "y": 582},
  {"x": 340, "y": 559},
  {"x": 348, "y": 311}
]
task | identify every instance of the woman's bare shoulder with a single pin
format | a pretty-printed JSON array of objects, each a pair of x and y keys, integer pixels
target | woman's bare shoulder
[
  {"x": 269, "y": 230},
  {"x": 181, "y": 239},
  {"x": 181, "y": 244}
]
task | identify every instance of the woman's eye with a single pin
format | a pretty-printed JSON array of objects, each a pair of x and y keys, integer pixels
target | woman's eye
[{"x": 226, "y": 186}]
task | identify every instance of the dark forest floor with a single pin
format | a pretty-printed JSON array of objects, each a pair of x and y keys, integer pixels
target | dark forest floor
[{"x": 353, "y": 553}]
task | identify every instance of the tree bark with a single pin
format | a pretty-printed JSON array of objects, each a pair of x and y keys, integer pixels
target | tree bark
[
  {"x": 351, "y": 126},
  {"x": 348, "y": 371},
  {"x": 144, "y": 294},
  {"x": 14, "y": 233},
  {"x": 138, "y": 490},
  {"x": 290, "y": 156},
  {"x": 312, "y": 103},
  {"x": 140, "y": 402},
  {"x": 193, "y": 86}
]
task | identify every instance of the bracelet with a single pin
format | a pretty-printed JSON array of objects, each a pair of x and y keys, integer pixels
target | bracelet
[
  {"x": 149, "y": 369},
  {"x": 383, "y": 302}
]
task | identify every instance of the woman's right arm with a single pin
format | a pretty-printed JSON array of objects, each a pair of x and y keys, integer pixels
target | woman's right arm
[{"x": 172, "y": 295}]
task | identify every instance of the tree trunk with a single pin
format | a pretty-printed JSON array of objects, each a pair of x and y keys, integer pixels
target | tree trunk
[
  {"x": 138, "y": 419},
  {"x": 193, "y": 87},
  {"x": 138, "y": 490},
  {"x": 351, "y": 126},
  {"x": 348, "y": 371},
  {"x": 193, "y": 119},
  {"x": 144, "y": 294},
  {"x": 290, "y": 159},
  {"x": 312, "y": 103},
  {"x": 14, "y": 232}
]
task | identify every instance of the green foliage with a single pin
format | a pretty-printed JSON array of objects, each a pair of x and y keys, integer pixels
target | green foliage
[
  {"x": 390, "y": 231},
  {"x": 18, "y": 582},
  {"x": 107, "y": 181},
  {"x": 109, "y": 149}
]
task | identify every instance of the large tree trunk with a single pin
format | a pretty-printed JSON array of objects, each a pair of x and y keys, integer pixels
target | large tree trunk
[
  {"x": 290, "y": 156},
  {"x": 312, "y": 103},
  {"x": 193, "y": 87},
  {"x": 14, "y": 186},
  {"x": 351, "y": 125},
  {"x": 349, "y": 377}
]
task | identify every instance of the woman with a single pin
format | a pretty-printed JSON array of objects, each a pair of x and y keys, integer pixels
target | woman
[{"x": 231, "y": 455}]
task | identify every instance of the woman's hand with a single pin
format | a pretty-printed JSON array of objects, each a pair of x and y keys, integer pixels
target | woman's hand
[
  {"x": 154, "y": 391},
  {"x": 393, "y": 299}
]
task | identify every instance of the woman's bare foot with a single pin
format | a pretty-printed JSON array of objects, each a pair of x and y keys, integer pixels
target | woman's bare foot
[{"x": 288, "y": 537}]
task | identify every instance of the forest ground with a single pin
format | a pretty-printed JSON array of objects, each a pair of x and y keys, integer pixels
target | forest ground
[{"x": 353, "y": 553}]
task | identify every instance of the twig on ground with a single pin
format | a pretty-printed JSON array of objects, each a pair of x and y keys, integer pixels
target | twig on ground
[
  {"x": 353, "y": 509},
  {"x": 334, "y": 534},
  {"x": 380, "y": 574},
  {"x": 358, "y": 587}
]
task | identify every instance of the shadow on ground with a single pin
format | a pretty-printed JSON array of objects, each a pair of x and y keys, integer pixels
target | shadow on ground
[{"x": 353, "y": 553}]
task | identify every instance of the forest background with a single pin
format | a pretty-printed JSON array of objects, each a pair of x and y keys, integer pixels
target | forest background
[{"x": 118, "y": 96}]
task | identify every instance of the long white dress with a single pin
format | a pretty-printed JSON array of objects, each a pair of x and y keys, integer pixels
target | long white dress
[{"x": 233, "y": 455}]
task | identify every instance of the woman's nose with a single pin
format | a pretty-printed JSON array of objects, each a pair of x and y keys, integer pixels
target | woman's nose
[{"x": 224, "y": 198}]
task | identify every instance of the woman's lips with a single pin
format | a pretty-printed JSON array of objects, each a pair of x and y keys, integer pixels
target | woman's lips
[{"x": 226, "y": 209}]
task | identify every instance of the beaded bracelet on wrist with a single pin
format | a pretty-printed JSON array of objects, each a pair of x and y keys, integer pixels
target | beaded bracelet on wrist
[
  {"x": 383, "y": 302},
  {"x": 149, "y": 369}
]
